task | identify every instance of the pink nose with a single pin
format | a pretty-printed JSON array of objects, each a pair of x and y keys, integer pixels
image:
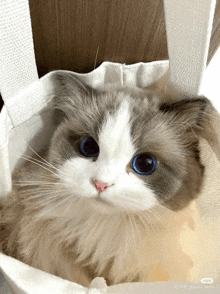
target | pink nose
[{"x": 100, "y": 187}]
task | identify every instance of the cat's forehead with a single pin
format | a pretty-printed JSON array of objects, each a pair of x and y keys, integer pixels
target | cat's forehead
[
  {"x": 114, "y": 135},
  {"x": 136, "y": 125},
  {"x": 122, "y": 114},
  {"x": 113, "y": 117},
  {"x": 91, "y": 113},
  {"x": 122, "y": 108}
]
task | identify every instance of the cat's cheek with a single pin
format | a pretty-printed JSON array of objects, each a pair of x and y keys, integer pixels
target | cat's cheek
[
  {"x": 76, "y": 175},
  {"x": 130, "y": 193}
]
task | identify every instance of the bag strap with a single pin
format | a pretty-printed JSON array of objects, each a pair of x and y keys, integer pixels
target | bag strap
[
  {"x": 188, "y": 26},
  {"x": 17, "y": 67}
]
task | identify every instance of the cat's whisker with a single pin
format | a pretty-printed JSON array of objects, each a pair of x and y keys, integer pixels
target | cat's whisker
[
  {"x": 46, "y": 203},
  {"x": 213, "y": 116},
  {"x": 96, "y": 57},
  {"x": 103, "y": 256},
  {"x": 152, "y": 210},
  {"x": 145, "y": 225},
  {"x": 39, "y": 177},
  {"x": 41, "y": 182},
  {"x": 25, "y": 156},
  {"x": 36, "y": 186},
  {"x": 93, "y": 231},
  {"x": 66, "y": 198},
  {"x": 126, "y": 233},
  {"x": 186, "y": 123},
  {"x": 148, "y": 222},
  {"x": 43, "y": 159},
  {"x": 137, "y": 229},
  {"x": 138, "y": 234},
  {"x": 44, "y": 192},
  {"x": 44, "y": 200},
  {"x": 43, "y": 189},
  {"x": 132, "y": 228},
  {"x": 153, "y": 226},
  {"x": 41, "y": 186},
  {"x": 53, "y": 201},
  {"x": 34, "y": 162},
  {"x": 143, "y": 218},
  {"x": 42, "y": 203},
  {"x": 35, "y": 183},
  {"x": 41, "y": 194}
]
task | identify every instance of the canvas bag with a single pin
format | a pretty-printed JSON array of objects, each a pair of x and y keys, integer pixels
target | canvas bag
[{"x": 25, "y": 96}]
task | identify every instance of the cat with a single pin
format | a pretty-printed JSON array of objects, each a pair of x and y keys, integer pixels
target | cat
[{"x": 111, "y": 194}]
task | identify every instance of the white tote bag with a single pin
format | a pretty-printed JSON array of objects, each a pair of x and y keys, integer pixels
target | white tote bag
[{"x": 23, "y": 121}]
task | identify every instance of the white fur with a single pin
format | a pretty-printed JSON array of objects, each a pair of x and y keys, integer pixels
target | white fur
[
  {"x": 135, "y": 243},
  {"x": 126, "y": 191}
]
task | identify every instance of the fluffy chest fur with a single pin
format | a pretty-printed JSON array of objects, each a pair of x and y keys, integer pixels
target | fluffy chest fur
[{"x": 119, "y": 247}]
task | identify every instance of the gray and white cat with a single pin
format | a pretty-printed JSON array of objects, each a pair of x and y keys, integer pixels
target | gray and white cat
[{"x": 113, "y": 191}]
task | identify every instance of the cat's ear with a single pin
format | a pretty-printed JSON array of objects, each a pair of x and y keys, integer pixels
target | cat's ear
[
  {"x": 191, "y": 112},
  {"x": 199, "y": 115},
  {"x": 65, "y": 83},
  {"x": 69, "y": 93}
]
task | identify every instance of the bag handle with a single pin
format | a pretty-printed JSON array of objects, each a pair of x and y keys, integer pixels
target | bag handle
[
  {"x": 188, "y": 26},
  {"x": 17, "y": 60}
]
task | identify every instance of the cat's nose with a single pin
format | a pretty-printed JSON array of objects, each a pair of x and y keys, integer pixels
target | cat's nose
[{"x": 100, "y": 187}]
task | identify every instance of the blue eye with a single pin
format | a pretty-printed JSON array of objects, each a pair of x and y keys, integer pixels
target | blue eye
[
  {"x": 89, "y": 147},
  {"x": 144, "y": 164}
]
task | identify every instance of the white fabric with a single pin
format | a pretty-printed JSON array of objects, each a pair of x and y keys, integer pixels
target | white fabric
[
  {"x": 188, "y": 26},
  {"x": 25, "y": 96},
  {"x": 5, "y": 172},
  {"x": 24, "y": 279},
  {"x": 17, "y": 66},
  {"x": 38, "y": 93},
  {"x": 210, "y": 86}
]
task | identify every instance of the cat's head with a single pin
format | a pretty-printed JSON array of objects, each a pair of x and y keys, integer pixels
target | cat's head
[{"x": 119, "y": 150}]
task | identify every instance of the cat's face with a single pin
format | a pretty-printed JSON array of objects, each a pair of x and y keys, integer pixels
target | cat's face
[{"x": 121, "y": 152}]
